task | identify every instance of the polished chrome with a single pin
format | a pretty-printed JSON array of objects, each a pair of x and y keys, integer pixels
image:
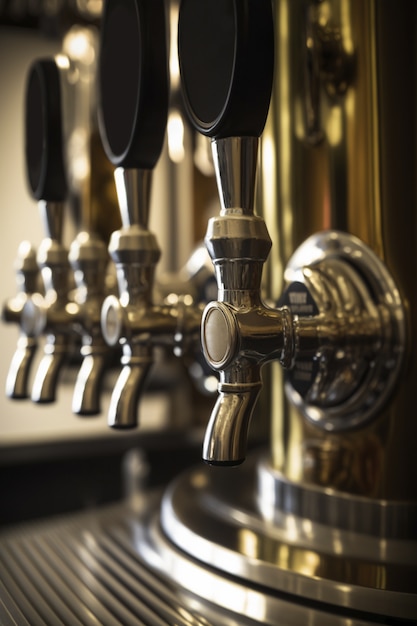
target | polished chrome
[
  {"x": 27, "y": 278},
  {"x": 316, "y": 545},
  {"x": 342, "y": 338},
  {"x": 350, "y": 344},
  {"x": 89, "y": 260},
  {"x": 133, "y": 193},
  {"x": 361, "y": 358},
  {"x": 132, "y": 320},
  {"x": 387, "y": 526},
  {"x": 121, "y": 564},
  {"x": 235, "y": 160},
  {"x": 238, "y": 244},
  {"x": 51, "y": 315}
]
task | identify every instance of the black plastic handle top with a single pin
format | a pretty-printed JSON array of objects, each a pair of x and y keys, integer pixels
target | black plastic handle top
[
  {"x": 133, "y": 82},
  {"x": 226, "y": 55},
  {"x": 44, "y": 148}
]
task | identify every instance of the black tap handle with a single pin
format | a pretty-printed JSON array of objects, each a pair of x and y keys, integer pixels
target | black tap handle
[
  {"x": 43, "y": 132},
  {"x": 226, "y": 55},
  {"x": 133, "y": 82}
]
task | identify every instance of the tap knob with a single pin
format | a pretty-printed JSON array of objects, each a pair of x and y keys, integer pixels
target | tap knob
[
  {"x": 27, "y": 274},
  {"x": 46, "y": 176},
  {"x": 133, "y": 105},
  {"x": 226, "y": 55}
]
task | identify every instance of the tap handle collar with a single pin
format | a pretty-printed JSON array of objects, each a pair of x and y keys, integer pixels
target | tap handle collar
[
  {"x": 43, "y": 132},
  {"x": 226, "y": 55},
  {"x": 133, "y": 82}
]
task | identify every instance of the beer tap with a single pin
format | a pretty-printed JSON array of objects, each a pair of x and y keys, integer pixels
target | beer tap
[
  {"x": 88, "y": 257},
  {"x": 133, "y": 86},
  {"x": 47, "y": 182},
  {"x": 27, "y": 274},
  {"x": 66, "y": 313},
  {"x": 341, "y": 311}
]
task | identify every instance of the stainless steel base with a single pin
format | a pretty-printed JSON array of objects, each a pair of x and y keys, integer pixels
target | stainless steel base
[
  {"x": 316, "y": 545},
  {"x": 202, "y": 554}
]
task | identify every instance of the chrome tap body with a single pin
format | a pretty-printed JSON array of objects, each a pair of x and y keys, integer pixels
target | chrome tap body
[
  {"x": 51, "y": 314},
  {"x": 89, "y": 260},
  {"x": 346, "y": 339},
  {"x": 132, "y": 319},
  {"x": 27, "y": 278}
]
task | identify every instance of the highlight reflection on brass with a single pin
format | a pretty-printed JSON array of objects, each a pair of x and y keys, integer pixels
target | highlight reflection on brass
[{"x": 358, "y": 178}]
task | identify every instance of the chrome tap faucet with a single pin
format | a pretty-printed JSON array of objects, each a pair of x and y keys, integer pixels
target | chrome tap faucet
[
  {"x": 227, "y": 98},
  {"x": 237, "y": 330},
  {"x": 48, "y": 313},
  {"x": 133, "y": 85},
  {"x": 350, "y": 319},
  {"x": 128, "y": 318},
  {"x": 27, "y": 274},
  {"x": 51, "y": 315},
  {"x": 89, "y": 259},
  {"x": 47, "y": 184},
  {"x": 67, "y": 314}
]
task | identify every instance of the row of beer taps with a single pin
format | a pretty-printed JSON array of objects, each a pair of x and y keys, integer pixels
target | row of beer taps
[
  {"x": 94, "y": 302},
  {"x": 353, "y": 318}
]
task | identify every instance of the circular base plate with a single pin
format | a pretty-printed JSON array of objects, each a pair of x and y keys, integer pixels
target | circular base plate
[{"x": 212, "y": 517}]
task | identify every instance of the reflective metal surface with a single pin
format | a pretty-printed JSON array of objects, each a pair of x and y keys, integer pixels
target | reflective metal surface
[
  {"x": 362, "y": 331},
  {"x": 316, "y": 286},
  {"x": 53, "y": 317},
  {"x": 132, "y": 319},
  {"x": 27, "y": 279},
  {"x": 89, "y": 261},
  {"x": 118, "y": 566},
  {"x": 340, "y": 332},
  {"x": 358, "y": 179},
  {"x": 231, "y": 520}
]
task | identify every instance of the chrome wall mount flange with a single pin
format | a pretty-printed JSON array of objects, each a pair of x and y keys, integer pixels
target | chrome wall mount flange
[{"x": 335, "y": 276}]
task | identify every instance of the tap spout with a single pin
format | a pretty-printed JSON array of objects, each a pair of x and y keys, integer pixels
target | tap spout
[
  {"x": 237, "y": 342},
  {"x": 225, "y": 440},
  {"x": 18, "y": 374},
  {"x": 46, "y": 379},
  {"x": 123, "y": 409},
  {"x": 87, "y": 390}
]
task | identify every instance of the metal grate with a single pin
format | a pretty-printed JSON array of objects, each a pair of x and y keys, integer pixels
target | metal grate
[{"x": 83, "y": 570}]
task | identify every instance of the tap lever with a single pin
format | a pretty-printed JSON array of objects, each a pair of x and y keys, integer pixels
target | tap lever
[
  {"x": 133, "y": 82},
  {"x": 45, "y": 168},
  {"x": 134, "y": 88},
  {"x": 226, "y": 55},
  {"x": 43, "y": 133}
]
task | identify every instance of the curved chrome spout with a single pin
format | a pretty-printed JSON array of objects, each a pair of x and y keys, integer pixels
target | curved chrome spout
[
  {"x": 87, "y": 390},
  {"x": 225, "y": 440},
  {"x": 18, "y": 375},
  {"x": 27, "y": 277},
  {"x": 88, "y": 258},
  {"x": 46, "y": 379},
  {"x": 123, "y": 409}
]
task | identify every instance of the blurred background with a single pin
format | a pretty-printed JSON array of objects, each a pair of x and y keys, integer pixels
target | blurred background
[{"x": 80, "y": 461}]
